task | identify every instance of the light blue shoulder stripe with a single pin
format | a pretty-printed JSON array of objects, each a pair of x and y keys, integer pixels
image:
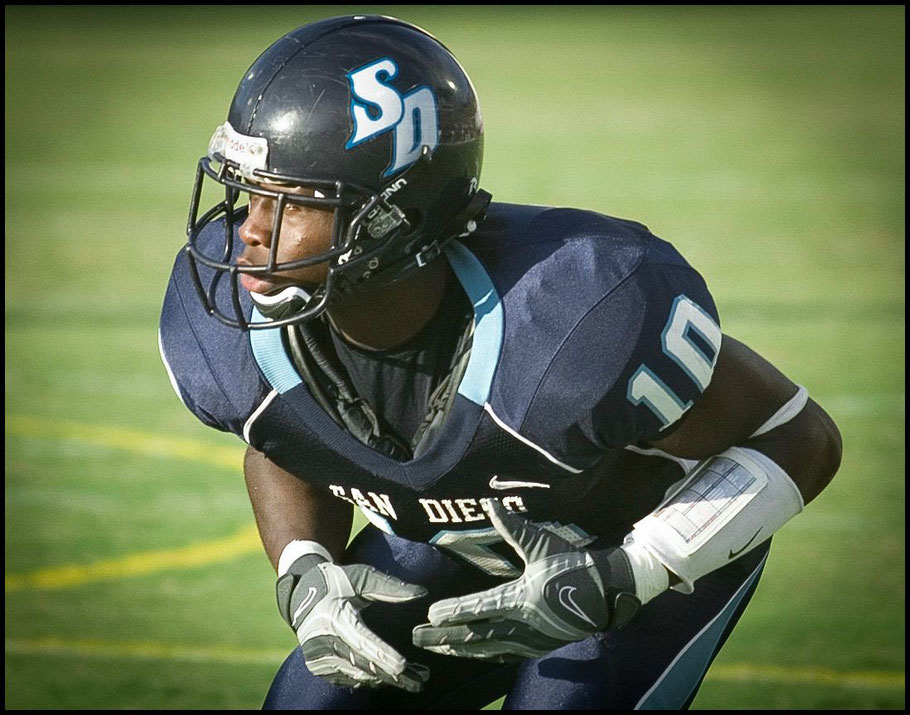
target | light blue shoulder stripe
[
  {"x": 272, "y": 358},
  {"x": 488, "y": 322}
]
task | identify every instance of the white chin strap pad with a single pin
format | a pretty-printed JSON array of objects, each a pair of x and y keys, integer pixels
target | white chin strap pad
[
  {"x": 730, "y": 504},
  {"x": 280, "y": 305}
]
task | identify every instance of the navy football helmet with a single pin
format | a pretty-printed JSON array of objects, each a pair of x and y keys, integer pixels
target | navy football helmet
[{"x": 375, "y": 117}]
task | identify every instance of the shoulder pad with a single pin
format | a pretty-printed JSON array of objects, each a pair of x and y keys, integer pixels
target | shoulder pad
[
  {"x": 610, "y": 335},
  {"x": 210, "y": 365}
]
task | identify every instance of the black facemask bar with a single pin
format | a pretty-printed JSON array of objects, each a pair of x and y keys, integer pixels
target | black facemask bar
[
  {"x": 350, "y": 259},
  {"x": 343, "y": 199}
]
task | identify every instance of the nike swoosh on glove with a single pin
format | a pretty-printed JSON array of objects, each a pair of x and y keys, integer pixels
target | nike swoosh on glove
[
  {"x": 565, "y": 594},
  {"x": 322, "y": 601}
]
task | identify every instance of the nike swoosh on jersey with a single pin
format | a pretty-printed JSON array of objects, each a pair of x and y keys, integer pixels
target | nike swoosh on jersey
[
  {"x": 311, "y": 594},
  {"x": 497, "y": 483},
  {"x": 734, "y": 554},
  {"x": 565, "y": 598}
]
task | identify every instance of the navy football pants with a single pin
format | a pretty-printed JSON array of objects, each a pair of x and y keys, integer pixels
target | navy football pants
[{"x": 656, "y": 661}]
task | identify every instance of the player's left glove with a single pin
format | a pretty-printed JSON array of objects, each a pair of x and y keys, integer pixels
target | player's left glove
[
  {"x": 322, "y": 601},
  {"x": 564, "y": 595}
]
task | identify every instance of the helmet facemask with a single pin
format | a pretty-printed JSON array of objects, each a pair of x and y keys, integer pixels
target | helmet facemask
[{"x": 364, "y": 222}]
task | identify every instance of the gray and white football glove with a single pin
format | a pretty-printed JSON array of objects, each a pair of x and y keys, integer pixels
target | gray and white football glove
[
  {"x": 563, "y": 596},
  {"x": 322, "y": 601}
]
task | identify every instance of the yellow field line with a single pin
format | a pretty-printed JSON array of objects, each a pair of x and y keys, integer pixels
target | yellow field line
[
  {"x": 145, "y": 562},
  {"x": 145, "y": 649},
  {"x": 773, "y": 673},
  {"x": 246, "y": 541},
  {"x": 148, "y": 443},
  {"x": 141, "y": 563},
  {"x": 230, "y": 654}
]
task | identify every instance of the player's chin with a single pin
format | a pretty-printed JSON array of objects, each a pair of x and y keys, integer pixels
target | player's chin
[{"x": 255, "y": 283}]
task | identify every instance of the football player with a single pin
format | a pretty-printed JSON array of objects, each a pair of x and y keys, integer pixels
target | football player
[{"x": 571, "y": 474}]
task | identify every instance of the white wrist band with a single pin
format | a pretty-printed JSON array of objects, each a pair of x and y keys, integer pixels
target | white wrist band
[
  {"x": 295, "y": 549},
  {"x": 790, "y": 409},
  {"x": 651, "y": 576}
]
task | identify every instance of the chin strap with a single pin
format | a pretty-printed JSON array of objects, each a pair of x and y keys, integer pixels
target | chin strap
[
  {"x": 292, "y": 299},
  {"x": 331, "y": 387},
  {"x": 462, "y": 224}
]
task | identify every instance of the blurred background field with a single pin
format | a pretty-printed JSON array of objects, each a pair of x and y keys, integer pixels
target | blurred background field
[{"x": 767, "y": 143}]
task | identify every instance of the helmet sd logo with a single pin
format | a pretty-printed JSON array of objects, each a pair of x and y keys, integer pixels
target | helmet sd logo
[{"x": 377, "y": 107}]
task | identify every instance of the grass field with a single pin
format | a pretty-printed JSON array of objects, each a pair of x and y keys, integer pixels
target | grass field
[{"x": 766, "y": 143}]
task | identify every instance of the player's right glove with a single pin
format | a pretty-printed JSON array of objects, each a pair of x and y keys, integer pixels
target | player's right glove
[
  {"x": 321, "y": 601},
  {"x": 564, "y": 595}
]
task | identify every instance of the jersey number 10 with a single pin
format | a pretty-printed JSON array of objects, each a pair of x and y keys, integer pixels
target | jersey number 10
[{"x": 691, "y": 339}]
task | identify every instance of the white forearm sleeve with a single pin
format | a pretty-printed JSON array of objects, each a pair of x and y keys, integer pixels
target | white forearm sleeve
[{"x": 728, "y": 505}]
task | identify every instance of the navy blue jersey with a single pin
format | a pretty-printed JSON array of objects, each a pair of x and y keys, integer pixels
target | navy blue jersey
[{"x": 592, "y": 337}]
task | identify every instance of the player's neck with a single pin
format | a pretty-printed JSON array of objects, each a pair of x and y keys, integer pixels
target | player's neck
[{"x": 390, "y": 316}]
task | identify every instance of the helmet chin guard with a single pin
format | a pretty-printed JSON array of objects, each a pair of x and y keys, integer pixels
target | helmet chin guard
[
  {"x": 379, "y": 120},
  {"x": 290, "y": 301}
]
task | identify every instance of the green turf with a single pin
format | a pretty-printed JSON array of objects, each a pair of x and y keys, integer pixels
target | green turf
[{"x": 766, "y": 142}]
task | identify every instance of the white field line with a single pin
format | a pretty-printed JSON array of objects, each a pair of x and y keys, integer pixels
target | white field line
[
  {"x": 88, "y": 648},
  {"x": 150, "y": 650}
]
